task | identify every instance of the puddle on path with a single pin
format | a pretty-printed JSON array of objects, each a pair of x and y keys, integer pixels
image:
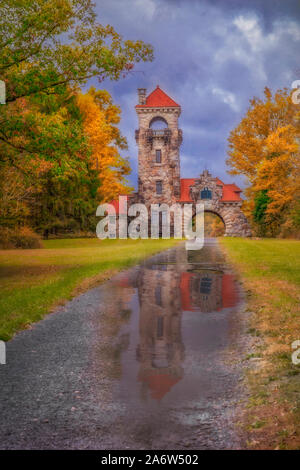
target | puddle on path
[
  {"x": 145, "y": 361},
  {"x": 174, "y": 323}
]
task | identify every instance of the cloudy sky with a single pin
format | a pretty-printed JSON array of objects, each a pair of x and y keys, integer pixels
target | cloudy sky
[{"x": 211, "y": 56}]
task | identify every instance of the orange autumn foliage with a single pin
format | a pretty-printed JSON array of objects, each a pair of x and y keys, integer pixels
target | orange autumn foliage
[
  {"x": 101, "y": 118},
  {"x": 264, "y": 147}
]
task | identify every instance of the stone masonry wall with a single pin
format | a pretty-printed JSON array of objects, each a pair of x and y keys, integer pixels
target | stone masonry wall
[
  {"x": 168, "y": 171},
  {"x": 236, "y": 224}
]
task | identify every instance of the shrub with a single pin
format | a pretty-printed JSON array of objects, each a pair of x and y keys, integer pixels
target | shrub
[
  {"x": 5, "y": 238},
  {"x": 23, "y": 237}
]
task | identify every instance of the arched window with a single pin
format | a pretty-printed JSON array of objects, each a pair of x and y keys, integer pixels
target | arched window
[
  {"x": 158, "y": 123},
  {"x": 206, "y": 193}
]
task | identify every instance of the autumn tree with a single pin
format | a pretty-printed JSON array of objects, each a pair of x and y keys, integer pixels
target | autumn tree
[
  {"x": 51, "y": 195},
  {"x": 101, "y": 118},
  {"x": 48, "y": 49},
  {"x": 264, "y": 147}
]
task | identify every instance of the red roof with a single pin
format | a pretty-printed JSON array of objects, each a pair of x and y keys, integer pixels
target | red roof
[
  {"x": 159, "y": 383},
  {"x": 185, "y": 184},
  {"x": 115, "y": 204},
  {"x": 231, "y": 192},
  {"x": 158, "y": 98},
  {"x": 228, "y": 292}
]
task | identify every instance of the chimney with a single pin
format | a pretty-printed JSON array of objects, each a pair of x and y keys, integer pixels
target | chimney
[{"x": 142, "y": 95}]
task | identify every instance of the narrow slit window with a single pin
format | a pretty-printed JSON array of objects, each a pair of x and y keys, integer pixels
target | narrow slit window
[
  {"x": 160, "y": 327},
  {"x": 158, "y": 187},
  {"x": 158, "y": 295},
  {"x": 158, "y": 156}
]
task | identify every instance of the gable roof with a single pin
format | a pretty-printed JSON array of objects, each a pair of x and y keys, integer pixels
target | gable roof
[
  {"x": 159, "y": 383},
  {"x": 120, "y": 209},
  {"x": 229, "y": 292},
  {"x": 158, "y": 98},
  {"x": 231, "y": 192},
  {"x": 185, "y": 184}
]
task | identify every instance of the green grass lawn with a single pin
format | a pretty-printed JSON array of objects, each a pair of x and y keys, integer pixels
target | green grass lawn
[
  {"x": 270, "y": 271},
  {"x": 33, "y": 282}
]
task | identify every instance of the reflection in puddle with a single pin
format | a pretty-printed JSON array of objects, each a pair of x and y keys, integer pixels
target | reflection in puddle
[
  {"x": 160, "y": 350},
  {"x": 147, "y": 360},
  {"x": 164, "y": 292}
]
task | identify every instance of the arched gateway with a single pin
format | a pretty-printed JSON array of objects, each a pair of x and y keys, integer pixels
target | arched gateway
[
  {"x": 218, "y": 198},
  {"x": 159, "y": 140}
]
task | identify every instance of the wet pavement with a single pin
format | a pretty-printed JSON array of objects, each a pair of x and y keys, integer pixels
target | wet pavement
[{"x": 148, "y": 360}]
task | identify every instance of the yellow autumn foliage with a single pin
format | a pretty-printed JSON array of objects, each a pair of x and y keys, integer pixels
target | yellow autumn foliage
[
  {"x": 101, "y": 118},
  {"x": 264, "y": 147}
]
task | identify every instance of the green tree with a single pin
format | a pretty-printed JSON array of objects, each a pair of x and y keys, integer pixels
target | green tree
[
  {"x": 261, "y": 202},
  {"x": 48, "y": 47}
]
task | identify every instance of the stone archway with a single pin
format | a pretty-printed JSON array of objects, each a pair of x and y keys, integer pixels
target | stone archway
[
  {"x": 214, "y": 225},
  {"x": 236, "y": 224},
  {"x": 159, "y": 182}
]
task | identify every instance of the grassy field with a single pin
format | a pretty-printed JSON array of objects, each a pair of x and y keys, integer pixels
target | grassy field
[
  {"x": 33, "y": 282},
  {"x": 270, "y": 271}
]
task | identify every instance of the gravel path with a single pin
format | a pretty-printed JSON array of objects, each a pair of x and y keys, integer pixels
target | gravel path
[{"x": 148, "y": 360}]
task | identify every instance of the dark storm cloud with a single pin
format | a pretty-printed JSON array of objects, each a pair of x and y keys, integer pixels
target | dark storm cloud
[{"x": 211, "y": 57}]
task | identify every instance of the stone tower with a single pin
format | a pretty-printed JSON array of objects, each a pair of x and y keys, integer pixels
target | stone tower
[{"x": 158, "y": 139}]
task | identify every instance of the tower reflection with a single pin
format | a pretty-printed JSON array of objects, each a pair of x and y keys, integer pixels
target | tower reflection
[
  {"x": 160, "y": 351},
  {"x": 180, "y": 283}
]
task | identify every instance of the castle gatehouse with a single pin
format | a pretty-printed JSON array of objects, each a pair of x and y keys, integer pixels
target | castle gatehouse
[{"x": 159, "y": 138}]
